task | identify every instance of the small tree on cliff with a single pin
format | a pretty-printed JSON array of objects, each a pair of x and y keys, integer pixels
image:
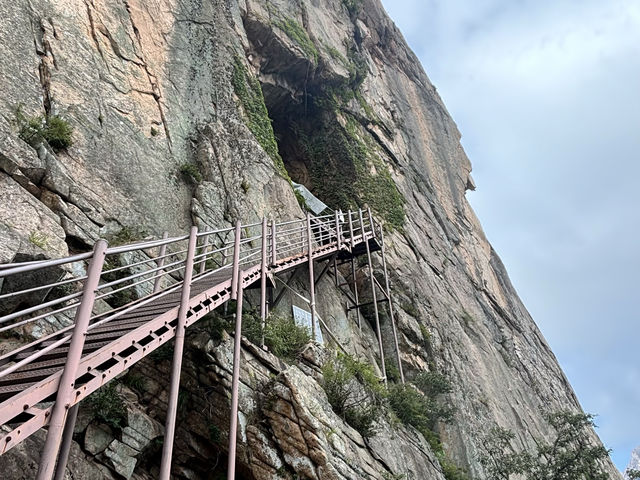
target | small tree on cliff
[{"x": 571, "y": 456}]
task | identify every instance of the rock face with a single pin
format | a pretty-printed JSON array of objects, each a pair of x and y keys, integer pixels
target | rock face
[{"x": 153, "y": 87}]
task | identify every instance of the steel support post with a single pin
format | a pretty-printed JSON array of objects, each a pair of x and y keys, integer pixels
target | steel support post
[
  {"x": 233, "y": 421},
  {"x": 172, "y": 407},
  {"x": 263, "y": 280},
  {"x": 375, "y": 309},
  {"x": 388, "y": 288},
  {"x": 160, "y": 263},
  {"x": 373, "y": 232},
  {"x": 355, "y": 290},
  {"x": 312, "y": 279},
  {"x": 66, "y": 385},
  {"x": 274, "y": 251},
  {"x": 236, "y": 261},
  {"x": 67, "y": 438},
  {"x": 205, "y": 249}
]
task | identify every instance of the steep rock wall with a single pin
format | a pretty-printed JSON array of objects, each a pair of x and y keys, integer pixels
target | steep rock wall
[{"x": 152, "y": 86}]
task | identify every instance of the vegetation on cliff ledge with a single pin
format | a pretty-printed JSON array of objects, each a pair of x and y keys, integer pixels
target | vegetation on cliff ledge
[{"x": 249, "y": 92}]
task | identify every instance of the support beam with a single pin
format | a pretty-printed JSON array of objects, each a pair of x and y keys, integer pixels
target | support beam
[
  {"x": 160, "y": 263},
  {"x": 66, "y": 386},
  {"x": 236, "y": 261},
  {"x": 312, "y": 278},
  {"x": 263, "y": 281},
  {"x": 375, "y": 307},
  {"x": 324, "y": 270},
  {"x": 235, "y": 382},
  {"x": 172, "y": 407},
  {"x": 67, "y": 438},
  {"x": 384, "y": 300},
  {"x": 355, "y": 287},
  {"x": 388, "y": 288}
]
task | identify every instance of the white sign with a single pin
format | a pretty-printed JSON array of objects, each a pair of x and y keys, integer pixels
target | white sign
[
  {"x": 314, "y": 203},
  {"x": 303, "y": 319}
]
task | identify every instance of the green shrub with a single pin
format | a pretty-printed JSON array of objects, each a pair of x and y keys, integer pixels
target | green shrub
[
  {"x": 190, "y": 172},
  {"x": 393, "y": 372},
  {"x": 432, "y": 384},
  {"x": 572, "y": 454},
  {"x": 57, "y": 132},
  {"x": 284, "y": 337},
  {"x": 126, "y": 235},
  {"x": 54, "y": 129},
  {"x": 451, "y": 471},
  {"x": 354, "y": 392},
  {"x": 108, "y": 407}
]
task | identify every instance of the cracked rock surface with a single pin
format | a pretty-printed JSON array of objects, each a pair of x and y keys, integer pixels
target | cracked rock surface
[{"x": 148, "y": 87}]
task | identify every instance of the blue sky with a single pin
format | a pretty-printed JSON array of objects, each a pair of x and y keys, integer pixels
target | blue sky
[{"x": 546, "y": 95}]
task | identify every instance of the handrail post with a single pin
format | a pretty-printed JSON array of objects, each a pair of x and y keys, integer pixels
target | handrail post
[
  {"x": 235, "y": 382},
  {"x": 375, "y": 308},
  {"x": 205, "y": 249},
  {"x": 361, "y": 218},
  {"x": 172, "y": 407},
  {"x": 274, "y": 252},
  {"x": 371, "y": 226},
  {"x": 263, "y": 280},
  {"x": 351, "y": 230},
  {"x": 388, "y": 287},
  {"x": 160, "y": 263},
  {"x": 338, "y": 240},
  {"x": 312, "y": 279},
  {"x": 236, "y": 262},
  {"x": 66, "y": 385}
]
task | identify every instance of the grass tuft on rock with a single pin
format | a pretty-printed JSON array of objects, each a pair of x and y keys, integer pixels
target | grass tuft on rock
[{"x": 55, "y": 130}]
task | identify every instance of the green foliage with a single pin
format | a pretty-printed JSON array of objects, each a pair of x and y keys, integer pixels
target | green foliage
[
  {"x": 301, "y": 201},
  {"x": 393, "y": 476},
  {"x": 54, "y": 129},
  {"x": 298, "y": 35},
  {"x": 632, "y": 474},
  {"x": 108, "y": 407},
  {"x": 57, "y": 132},
  {"x": 391, "y": 367},
  {"x": 249, "y": 92},
  {"x": 354, "y": 392},
  {"x": 451, "y": 471},
  {"x": 190, "y": 172},
  {"x": 39, "y": 239},
  {"x": 572, "y": 455},
  {"x": 364, "y": 178},
  {"x": 432, "y": 384},
  {"x": 284, "y": 337}
]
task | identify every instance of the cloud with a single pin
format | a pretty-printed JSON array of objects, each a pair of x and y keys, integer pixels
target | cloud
[{"x": 545, "y": 94}]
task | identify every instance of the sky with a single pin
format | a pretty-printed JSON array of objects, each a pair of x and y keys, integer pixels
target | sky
[{"x": 546, "y": 95}]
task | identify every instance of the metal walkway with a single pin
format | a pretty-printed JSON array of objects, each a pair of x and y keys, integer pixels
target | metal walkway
[{"x": 112, "y": 307}]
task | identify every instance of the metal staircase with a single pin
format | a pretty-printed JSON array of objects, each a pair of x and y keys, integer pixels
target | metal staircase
[{"x": 158, "y": 288}]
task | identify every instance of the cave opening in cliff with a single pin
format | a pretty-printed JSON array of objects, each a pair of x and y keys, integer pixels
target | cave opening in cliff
[{"x": 311, "y": 142}]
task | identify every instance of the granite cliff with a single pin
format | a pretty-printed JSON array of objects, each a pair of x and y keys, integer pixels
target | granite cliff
[{"x": 157, "y": 89}]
